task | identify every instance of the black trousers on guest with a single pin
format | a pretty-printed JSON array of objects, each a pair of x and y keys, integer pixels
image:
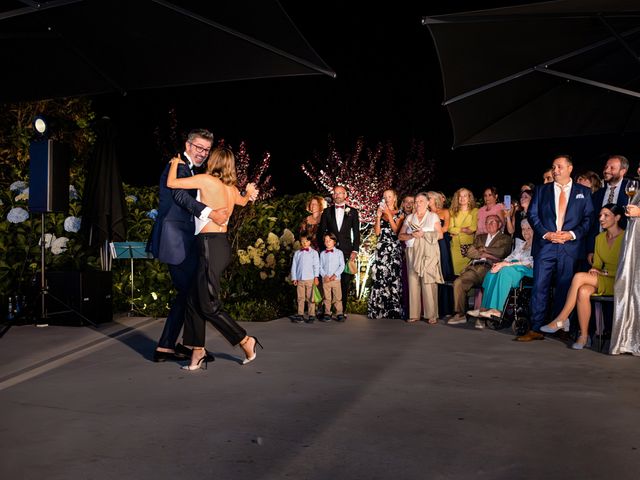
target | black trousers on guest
[{"x": 204, "y": 303}]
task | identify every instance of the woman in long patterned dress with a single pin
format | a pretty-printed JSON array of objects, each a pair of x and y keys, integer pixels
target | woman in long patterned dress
[
  {"x": 385, "y": 298},
  {"x": 463, "y": 226},
  {"x": 598, "y": 280},
  {"x": 625, "y": 335}
]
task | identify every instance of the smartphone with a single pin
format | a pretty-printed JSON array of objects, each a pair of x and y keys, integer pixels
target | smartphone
[{"x": 507, "y": 202}]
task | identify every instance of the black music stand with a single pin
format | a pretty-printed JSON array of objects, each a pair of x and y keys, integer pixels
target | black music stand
[{"x": 130, "y": 250}]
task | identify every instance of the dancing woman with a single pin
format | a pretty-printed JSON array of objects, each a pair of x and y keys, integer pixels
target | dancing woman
[
  {"x": 217, "y": 189},
  {"x": 599, "y": 279}
]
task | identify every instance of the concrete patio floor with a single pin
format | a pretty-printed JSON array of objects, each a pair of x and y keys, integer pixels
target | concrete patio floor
[{"x": 367, "y": 399}]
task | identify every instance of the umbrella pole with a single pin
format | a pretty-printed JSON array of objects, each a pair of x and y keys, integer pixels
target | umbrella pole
[{"x": 131, "y": 312}]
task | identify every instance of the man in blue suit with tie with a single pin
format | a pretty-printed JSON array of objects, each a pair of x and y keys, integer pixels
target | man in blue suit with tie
[
  {"x": 560, "y": 214},
  {"x": 613, "y": 192},
  {"x": 172, "y": 240}
]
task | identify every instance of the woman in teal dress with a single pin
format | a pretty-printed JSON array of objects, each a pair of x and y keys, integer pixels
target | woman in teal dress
[
  {"x": 505, "y": 275},
  {"x": 599, "y": 280}
]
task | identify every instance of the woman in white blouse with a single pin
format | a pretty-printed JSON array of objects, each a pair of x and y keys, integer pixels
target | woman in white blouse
[
  {"x": 506, "y": 274},
  {"x": 421, "y": 231}
]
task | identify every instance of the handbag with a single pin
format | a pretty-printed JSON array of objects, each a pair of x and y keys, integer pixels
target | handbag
[
  {"x": 317, "y": 295},
  {"x": 464, "y": 248},
  {"x": 350, "y": 268}
]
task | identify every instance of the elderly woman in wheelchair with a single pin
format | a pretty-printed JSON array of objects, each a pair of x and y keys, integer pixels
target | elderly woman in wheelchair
[{"x": 506, "y": 275}]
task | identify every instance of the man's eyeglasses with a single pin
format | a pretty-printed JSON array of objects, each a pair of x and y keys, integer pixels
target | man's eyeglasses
[{"x": 199, "y": 149}]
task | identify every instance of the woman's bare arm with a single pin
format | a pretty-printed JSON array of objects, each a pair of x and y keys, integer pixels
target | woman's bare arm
[{"x": 197, "y": 181}]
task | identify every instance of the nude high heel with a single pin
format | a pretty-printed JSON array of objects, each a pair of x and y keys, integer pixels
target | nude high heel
[
  {"x": 253, "y": 357},
  {"x": 202, "y": 362}
]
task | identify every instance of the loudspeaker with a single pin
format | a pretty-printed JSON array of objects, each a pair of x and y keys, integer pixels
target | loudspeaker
[
  {"x": 48, "y": 176},
  {"x": 89, "y": 293}
]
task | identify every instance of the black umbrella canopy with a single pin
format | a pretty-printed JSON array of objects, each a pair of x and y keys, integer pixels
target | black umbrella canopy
[
  {"x": 103, "y": 202},
  {"x": 63, "y": 48},
  {"x": 554, "y": 69}
]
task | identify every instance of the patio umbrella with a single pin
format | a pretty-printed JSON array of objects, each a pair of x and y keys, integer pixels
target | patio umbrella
[
  {"x": 103, "y": 202},
  {"x": 553, "y": 69},
  {"x": 61, "y": 48}
]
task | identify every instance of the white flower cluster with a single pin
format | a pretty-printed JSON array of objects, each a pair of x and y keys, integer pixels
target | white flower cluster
[
  {"x": 57, "y": 245},
  {"x": 263, "y": 254}
]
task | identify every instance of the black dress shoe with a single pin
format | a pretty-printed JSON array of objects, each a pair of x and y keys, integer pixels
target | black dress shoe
[
  {"x": 164, "y": 356},
  {"x": 182, "y": 351},
  {"x": 340, "y": 318}
]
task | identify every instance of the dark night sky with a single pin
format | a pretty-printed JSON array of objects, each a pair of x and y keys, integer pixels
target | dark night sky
[{"x": 388, "y": 87}]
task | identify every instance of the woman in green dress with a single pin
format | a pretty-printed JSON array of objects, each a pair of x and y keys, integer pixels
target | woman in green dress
[
  {"x": 463, "y": 224},
  {"x": 599, "y": 280}
]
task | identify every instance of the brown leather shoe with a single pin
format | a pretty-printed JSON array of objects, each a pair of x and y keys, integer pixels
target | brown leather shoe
[{"x": 529, "y": 336}]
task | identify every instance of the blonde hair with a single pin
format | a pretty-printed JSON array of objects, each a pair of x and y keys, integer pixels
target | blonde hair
[
  {"x": 437, "y": 197},
  {"x": 455, "y": 202},
  {"x": 395, "y": 197},
  {"x": 222, "y": 164}
]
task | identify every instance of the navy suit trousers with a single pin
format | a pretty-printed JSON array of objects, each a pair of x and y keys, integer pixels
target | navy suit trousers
[
  {"x": 552, "y": 260},
  {"x": 182, "y": 277}
]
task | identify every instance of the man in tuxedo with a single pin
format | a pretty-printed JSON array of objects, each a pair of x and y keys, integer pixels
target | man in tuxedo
[
  {"x": 343, "y": 221},
  {"x": 613, "y": 192},
  {"x": 560, "y": 214},
  {"x": 487, "y": 249},
  {"x": 172, "y": 240}
]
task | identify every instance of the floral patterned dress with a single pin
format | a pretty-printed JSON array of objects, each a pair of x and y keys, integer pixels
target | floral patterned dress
[{"x": 385, "y": 299}]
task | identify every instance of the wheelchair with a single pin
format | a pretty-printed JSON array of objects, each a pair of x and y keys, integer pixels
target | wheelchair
[{"x": 516, "y": 312}]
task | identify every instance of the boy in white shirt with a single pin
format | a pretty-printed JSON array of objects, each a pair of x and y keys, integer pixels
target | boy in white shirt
[
  {"x": 331, "y": 267},
  {"x": 305, "y": 269}
]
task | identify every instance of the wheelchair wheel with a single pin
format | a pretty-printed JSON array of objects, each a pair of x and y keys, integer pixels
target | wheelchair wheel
[{"x": 520, "y": 326}]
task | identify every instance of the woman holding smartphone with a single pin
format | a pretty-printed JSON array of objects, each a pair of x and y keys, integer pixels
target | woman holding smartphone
[
  {"x": 385, "y": 299},
  {"x": 518, "y": 212},
  {"x": 490, "y": 207}
]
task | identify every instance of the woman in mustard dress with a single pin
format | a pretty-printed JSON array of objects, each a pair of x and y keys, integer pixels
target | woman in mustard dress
[
  {"x": 463, "y": 224},
  {"x": 599, "y": 280}
]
